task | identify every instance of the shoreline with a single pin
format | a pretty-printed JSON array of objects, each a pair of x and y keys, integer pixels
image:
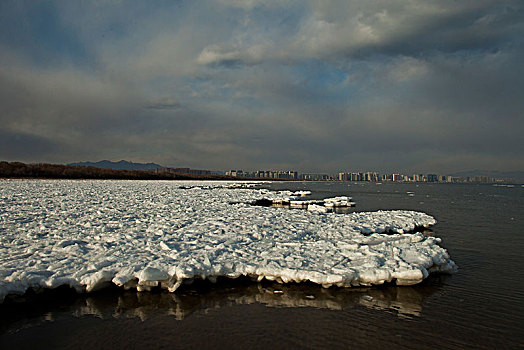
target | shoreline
[{"x": 20, "y": 170}]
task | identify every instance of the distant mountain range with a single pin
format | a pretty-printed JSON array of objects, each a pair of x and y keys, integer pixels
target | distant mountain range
[
  {"x": 516, "y": 175},
  {"x": 121, "y": 165}
]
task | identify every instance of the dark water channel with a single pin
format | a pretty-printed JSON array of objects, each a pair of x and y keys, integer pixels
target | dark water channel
[{"x": 481, "y": 306}]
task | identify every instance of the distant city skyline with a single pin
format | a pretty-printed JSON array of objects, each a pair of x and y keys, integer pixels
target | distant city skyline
[
  {"x": 371, "y": 176},
  {"x": 389, "y": 86},
  {"x": 344, "y": 175}
]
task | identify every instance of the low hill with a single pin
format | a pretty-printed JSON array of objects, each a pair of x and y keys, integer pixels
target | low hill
[
  {"x": 121, "y": 165},
  {"x": 59, "y": 171}
]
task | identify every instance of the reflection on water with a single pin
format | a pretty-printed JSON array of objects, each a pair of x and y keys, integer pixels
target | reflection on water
[{"x": 405, "y": 302}]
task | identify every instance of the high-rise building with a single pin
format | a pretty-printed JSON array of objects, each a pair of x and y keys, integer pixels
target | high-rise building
[
  {"x": 344, "y": 176},
  {"x": 432, "y": 178}
]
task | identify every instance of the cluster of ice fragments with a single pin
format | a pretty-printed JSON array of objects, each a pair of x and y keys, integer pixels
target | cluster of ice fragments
[
  {"x": 293, "y": 200},
  {"x": 143, "y": 234}
]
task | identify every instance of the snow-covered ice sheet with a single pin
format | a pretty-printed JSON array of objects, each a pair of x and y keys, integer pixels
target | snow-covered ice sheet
[{"x": 142, "y": 234}]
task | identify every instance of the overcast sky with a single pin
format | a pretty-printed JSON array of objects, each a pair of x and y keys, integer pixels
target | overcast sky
[{"x": 320, "y": 86}]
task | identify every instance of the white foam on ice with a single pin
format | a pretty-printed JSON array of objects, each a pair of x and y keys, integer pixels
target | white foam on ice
[{"x": 142, "y": 234}]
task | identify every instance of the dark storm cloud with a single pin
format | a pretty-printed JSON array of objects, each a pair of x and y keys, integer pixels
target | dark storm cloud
[
  {"x": 314, "y": 86},
  {"x": 489, "y": 27},
  {"x": 359, "y": 30}
]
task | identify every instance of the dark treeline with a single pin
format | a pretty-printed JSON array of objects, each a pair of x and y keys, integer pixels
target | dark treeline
[{"x": 58, "y": 171}]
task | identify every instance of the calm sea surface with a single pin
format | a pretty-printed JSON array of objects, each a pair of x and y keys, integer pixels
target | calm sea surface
[{"x": 481, "y": 307}]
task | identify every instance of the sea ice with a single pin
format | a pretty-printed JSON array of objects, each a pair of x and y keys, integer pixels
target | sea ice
[
  {"x": 317, "y": 208},
  {"x": 293, "y": 200},
  {"x": 144, "y": 234},
  {"x": 341, "y": 201}
]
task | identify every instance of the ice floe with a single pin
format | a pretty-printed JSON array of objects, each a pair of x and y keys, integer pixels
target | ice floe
[
  {"x": 341, "y": 201},
  {"x": 293, "y": 200},
  {"x": 317, "y": 208},
  {"x": 146, "y": 234}
]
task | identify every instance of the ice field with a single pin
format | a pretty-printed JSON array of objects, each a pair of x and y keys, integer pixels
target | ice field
[{"x": 143, "y": 234}]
